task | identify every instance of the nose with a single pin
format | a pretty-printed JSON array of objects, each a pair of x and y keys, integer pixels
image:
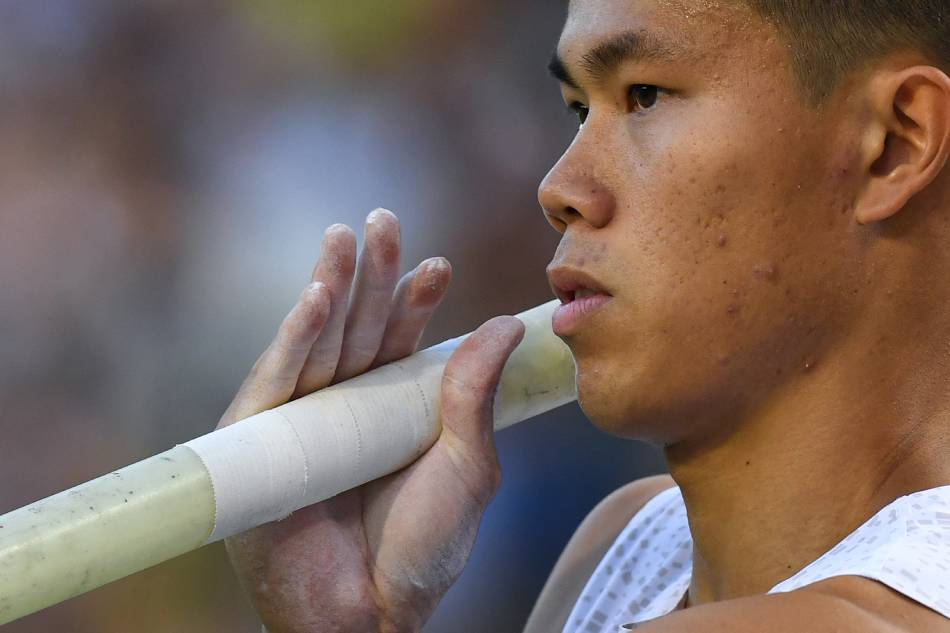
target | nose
[{"x": 572, "y": 192}]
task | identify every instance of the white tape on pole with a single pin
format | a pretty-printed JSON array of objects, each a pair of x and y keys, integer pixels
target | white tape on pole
[{"x": 269, "y": 465}]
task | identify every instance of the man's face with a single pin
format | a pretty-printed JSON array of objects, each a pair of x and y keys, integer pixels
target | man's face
[{"x": 715, "y": 210}]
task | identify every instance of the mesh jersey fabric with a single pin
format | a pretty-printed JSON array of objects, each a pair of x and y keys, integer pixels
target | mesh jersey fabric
[{"x": 646, "y": 572}]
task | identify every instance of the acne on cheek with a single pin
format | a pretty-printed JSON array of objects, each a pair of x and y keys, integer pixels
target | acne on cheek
[
  {"x": 713, "y": 196},
  {"x": 715, "y": 230},
  {"x": 734, "y": 308},
  {"x": 766, "y": 272}
]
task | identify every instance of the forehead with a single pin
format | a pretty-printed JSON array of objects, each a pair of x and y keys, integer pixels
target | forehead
[{"x": 708, "y": 29}]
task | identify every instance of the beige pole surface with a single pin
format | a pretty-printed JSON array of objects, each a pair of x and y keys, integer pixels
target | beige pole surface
[{"x": 103, "y": 530}]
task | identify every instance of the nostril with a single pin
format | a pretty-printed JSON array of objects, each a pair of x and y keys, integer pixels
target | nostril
[
  {"x": 562, "y": 218},
  {"x": 559, "y": 225}
]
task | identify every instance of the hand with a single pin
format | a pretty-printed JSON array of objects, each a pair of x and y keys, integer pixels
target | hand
[{"x": 381, "y": 556}]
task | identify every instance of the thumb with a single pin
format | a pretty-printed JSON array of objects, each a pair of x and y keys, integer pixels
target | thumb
[{"x": 469, "y": 383}]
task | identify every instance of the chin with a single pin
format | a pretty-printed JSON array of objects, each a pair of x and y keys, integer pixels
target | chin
[
  {"x": 606, "y": 418},
  {"x": 627, "y": 400},
  {"x": 610, "y": 405}
]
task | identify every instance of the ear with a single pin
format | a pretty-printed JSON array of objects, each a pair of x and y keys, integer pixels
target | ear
[{"x": 908, "y": 141}]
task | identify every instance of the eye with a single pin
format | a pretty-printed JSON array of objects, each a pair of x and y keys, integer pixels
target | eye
[
  {"x": 580, "y": 110},
  {"x": 642, "y": 97}
]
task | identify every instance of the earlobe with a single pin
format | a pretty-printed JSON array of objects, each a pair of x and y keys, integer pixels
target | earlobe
[{"x": 908, "y": 140}]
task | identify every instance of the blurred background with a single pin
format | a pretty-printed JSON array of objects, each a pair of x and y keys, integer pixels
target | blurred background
[{"x": 167, "y": 169}]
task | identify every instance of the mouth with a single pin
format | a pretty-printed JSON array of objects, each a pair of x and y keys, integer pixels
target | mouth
[
  {"x": 580, "y": 294},
  {"x": 572, "y": 284},
  {"x": 569, "y": 296}
]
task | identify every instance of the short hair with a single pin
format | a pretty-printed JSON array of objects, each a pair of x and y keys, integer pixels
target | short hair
[{"x": 831, "y": 39}]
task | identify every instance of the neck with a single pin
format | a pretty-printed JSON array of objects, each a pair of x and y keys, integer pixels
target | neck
[{"x": 862, "y": 428}]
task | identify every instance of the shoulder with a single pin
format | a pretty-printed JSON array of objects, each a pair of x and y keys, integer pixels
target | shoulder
[
  {"x": 587, "y": 547},
  {"x": 845, "y": 604},
  {"x": 880, "y": 603}
]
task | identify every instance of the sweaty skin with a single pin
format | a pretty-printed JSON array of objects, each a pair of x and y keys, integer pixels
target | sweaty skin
[{"x": 778, "y": 278}]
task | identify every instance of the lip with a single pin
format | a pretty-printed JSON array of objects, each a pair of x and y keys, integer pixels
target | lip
[
  {"x": 565, "y": 282},
  {"x": 569, "y": 318}
]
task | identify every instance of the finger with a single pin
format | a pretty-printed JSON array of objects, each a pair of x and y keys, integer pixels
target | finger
[
  {"x": 274, "y": 375},
  {"x": 335, "y": 269},
  {"x": 418, "y": 295},
  {"x": 376, "y": 277},
  {"x": 469, "y": 383}
]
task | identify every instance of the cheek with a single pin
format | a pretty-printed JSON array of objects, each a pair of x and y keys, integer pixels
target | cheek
[
  {"x": 711, "y": 219},
  {"x": 727, "y": 253}
]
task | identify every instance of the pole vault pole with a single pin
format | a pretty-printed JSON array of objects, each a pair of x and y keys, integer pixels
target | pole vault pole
[{"x": 256, "y": 471}]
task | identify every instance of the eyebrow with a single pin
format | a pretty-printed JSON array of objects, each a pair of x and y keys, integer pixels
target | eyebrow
[{"x": 607, "y": 56}]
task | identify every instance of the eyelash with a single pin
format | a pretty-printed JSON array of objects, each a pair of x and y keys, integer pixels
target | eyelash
[{"x": 633, "y": 92}]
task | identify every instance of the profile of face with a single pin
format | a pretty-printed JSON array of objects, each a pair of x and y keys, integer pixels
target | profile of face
[{"x": 713, "y": 201}]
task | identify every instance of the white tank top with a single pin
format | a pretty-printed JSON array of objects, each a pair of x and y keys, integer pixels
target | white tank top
[{"x": 647, "y": 571}]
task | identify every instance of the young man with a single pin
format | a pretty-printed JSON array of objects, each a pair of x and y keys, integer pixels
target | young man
[{"x": 755, "y": 215}]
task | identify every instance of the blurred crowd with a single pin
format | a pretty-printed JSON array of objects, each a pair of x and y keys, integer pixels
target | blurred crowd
[{"x": 167, "y": 169}]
